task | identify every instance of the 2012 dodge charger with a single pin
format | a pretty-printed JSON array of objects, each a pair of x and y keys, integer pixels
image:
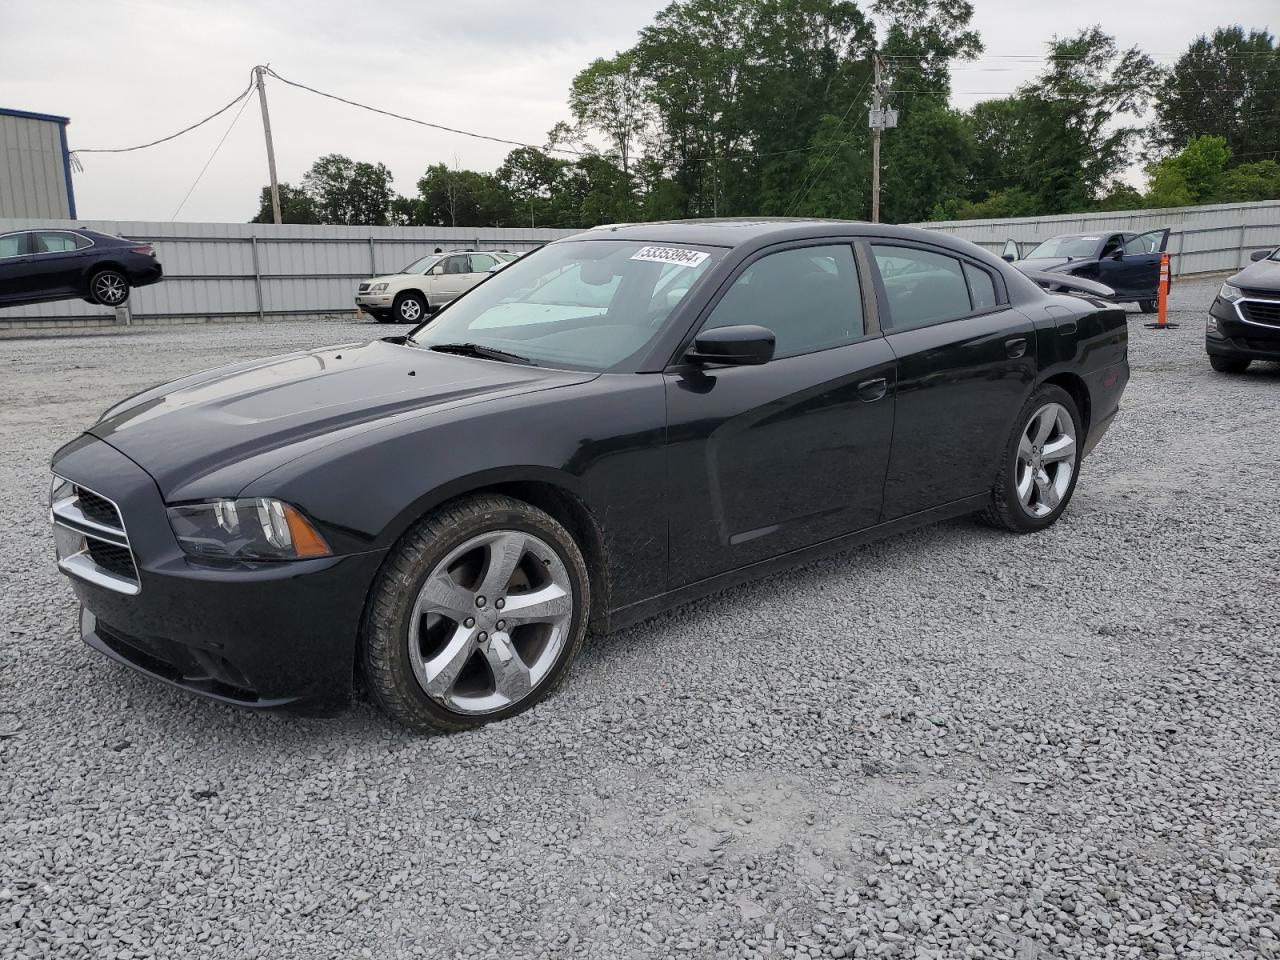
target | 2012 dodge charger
[{"x": 621, "y": 421}]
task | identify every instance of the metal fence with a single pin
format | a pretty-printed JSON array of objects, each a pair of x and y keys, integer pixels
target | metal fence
[
  {"x": 262, "y": 271},
  {"x": 1205, "y": 239}
]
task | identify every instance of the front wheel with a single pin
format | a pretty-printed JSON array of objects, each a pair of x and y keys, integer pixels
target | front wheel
[
  {"x": 110, "y": 288},
  {"x": 1041, "y": 464},
  {"x": 1147, "y": 306},
  {"x": 410, "y": 308},
  {"x": 476, "y": 615},
  {"x": 1228, "y": 364}
]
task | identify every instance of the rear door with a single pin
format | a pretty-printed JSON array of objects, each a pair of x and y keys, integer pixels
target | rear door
[
  {"x": 14, "y": 264},
  {"x": 966, "y": 362},
  {"x": 771, "y": 458},
  {"x": 57, "y": 263}
]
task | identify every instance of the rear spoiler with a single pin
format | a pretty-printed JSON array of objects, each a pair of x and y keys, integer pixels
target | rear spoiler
[{"x": 1065, "y": 283}]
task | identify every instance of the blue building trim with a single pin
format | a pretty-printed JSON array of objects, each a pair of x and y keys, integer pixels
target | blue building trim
[{"x": 62, "y": 136}]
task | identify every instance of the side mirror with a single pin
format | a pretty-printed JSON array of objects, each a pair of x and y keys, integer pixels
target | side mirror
[
  {"x": 734, "y": 346},
  {"x": 1259, "y": 255},
  {"x": 1008, "y": 257},
  {"x": 1118, "y": 255}
]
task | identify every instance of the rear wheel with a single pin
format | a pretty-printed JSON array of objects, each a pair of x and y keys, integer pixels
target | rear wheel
[
  {"x": 476, "y": 615},
  {"x": 1228, "y": 364},
  {"x": 1042, "y": 462},
  {"x": 410, "y": 308},
  {"x": 110, "y": 288},
  {"x": 1147, "y": 306}
]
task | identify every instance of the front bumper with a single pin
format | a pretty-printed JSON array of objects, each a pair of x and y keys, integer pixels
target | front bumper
[
  {"x": 373, "y": 301},
  {"x": 262, "y": 635},
  {"x": 1241, "y": 339}
]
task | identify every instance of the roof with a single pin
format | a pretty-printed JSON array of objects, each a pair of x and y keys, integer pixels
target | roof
[
  {"x": 28, "y": 115},
  {"x": 735, "y": 232}
]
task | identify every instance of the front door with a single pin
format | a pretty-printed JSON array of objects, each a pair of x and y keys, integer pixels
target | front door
[
  {"x": 966, "y": 362},
  {"x": 1139, "y": 271},
  {"x": 14, "y": 266},
  {"x": 767, "y": 459}
]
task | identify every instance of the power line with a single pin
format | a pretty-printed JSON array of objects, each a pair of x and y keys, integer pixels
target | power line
[
  {"x": 806, "y": 185},
  {"x": 218, "y": 147},
  {"x": 142, "y": 146}
]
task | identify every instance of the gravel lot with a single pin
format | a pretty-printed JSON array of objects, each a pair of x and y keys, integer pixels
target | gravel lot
[{"x": 958, "y": 743}]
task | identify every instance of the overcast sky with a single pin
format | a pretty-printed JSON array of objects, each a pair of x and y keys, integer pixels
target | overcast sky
[{"x": 131, "y": 71}]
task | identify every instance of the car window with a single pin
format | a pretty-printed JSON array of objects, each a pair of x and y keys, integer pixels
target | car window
[
  {"x": 809, "y": 297},
  {"x": 482, "y": 263},
  {"x": 422, "y": 264},
  {"x": 1072, "y": 246},
  {"x": 982, "y": 289},
  {"x": 1146, "y": 243},
  {"x": 456, "y": 264},
  {"x": 922, "y": 287},
  {"x": 582, "y": 304},
  {"x": 1113, "y": 246},
  {"x": 11, "y": 245},
  {"x": 48, "y": 241}
]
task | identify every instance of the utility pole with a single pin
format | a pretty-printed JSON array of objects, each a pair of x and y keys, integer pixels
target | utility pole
[
  {"x": 880, "y": 118},
  {"x": 271, "y": 150},
  {"x": 877, "y": 124}
]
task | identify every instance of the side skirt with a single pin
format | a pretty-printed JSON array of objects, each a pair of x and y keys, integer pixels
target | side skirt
[{"x": 644, "y": 609}]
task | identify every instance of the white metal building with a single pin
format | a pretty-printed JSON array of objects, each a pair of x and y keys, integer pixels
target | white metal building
[{"x": 35, "y": 166}]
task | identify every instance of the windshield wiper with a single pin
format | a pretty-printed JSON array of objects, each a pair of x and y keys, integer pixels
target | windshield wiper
[{"x": 480, "y": 350}]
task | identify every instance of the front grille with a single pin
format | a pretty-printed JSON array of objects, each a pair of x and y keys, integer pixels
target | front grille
[
  {"x": 113, "y": 558},
  {"x": 1258, "y": 311},
  {"x": 99, "y": 509},
  {"x": 91, "y": 539},
  {"x": 363, "y": 288}
]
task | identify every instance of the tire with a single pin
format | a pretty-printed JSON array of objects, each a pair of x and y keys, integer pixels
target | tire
[
  {"x": 1228, "y": 364},
  {"x": 1147, "y": 306},
  {"x": 1022, "y": 510},
  {"x": 410, "y": 308},
  {"x": 109, "y": 288},
  {"x": 382, "y": 316},
  {"x": 416, "y": 635}
]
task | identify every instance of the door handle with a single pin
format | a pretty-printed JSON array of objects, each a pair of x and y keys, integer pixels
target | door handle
[
  {"x": 1016, "y": 347},
  {"x": 1067, "y": 328},
  {"x": 873, "y": 390}
]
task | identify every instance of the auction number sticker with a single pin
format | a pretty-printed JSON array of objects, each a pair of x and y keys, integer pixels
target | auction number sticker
[{"x": 677, "y": 255}]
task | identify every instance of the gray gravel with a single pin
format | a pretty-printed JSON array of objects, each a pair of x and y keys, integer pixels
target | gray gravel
[{"x": 958, "y": 743}]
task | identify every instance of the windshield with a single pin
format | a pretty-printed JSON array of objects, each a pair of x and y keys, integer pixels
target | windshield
[
  {"x": 581, "y": 304},
  {"x": 1065, "y": 247},
  {"x": 422, "y": 265}
]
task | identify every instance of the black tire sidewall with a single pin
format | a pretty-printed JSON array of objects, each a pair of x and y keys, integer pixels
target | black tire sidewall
[
  {"x": 1147, "y": 306},
  {"x": 385, "y": 634},
  {"x": 1231, "y": 365},
  {"x": 1013, "y": 514}
]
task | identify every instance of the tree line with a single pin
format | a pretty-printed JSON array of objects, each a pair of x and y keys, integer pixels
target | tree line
[{"x": 758, "y": 108}]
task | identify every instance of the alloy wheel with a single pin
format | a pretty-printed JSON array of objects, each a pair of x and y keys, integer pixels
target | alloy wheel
[
  {"x": 1046, "y": 459},
  {"x": 110, "y": 289},
  {"x": 490, "y": 621},
  {"x": 410, "y": 310}
]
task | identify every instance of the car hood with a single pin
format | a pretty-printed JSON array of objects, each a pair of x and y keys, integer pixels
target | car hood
[
  {"x": 1049, "y": 264},
  {"x": 388, "y": 278},
  {"x": 221, "y": 429},
  {"x": 1263, "y": 276}
]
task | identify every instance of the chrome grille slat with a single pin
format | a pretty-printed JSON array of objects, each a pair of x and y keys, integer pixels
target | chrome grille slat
[{"x": 105, "y": 556}]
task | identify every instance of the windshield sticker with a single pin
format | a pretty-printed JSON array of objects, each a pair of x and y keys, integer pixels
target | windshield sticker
[{"x": 676, "y": 255}]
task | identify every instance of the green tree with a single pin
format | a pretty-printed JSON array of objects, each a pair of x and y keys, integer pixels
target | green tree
[
  {"x": 1250, "y": 181},
  {"x": 343, "y": 190},
  {"x": 295, "y": 206},
  {"x": 610, "y": 96},
  {"x": 459, "y": 198},
  {"x": 1228, "y": 86},
  {"x": 1191, "y": 176}
]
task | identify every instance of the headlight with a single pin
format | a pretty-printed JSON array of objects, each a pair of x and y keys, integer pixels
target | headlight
[
  {"x": 255, "y": 528},
  {"x": 1229, "y": 293},
  {"x": 378, "y": 288}
]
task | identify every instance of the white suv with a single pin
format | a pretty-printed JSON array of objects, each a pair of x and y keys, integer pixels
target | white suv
[{"x": 427, "y": 284}]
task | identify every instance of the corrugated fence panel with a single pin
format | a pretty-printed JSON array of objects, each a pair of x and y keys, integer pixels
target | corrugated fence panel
[{"x": 244, "y": 270}]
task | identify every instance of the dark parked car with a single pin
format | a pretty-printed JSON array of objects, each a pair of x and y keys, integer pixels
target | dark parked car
[
  {"x": 1244, "y": 319},
  {"x": 447, "y": 512},
  {"x": 1128, "y": 263},
  {"x": 41, "y": 265}
]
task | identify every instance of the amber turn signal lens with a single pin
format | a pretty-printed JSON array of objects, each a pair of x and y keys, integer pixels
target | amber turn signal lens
[{"x": 306, "y": 541}]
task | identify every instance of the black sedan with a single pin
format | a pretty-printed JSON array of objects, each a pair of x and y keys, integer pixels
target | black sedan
[
  {"x": 41, "y": 265},
  {"x": 616, "y": 423},
  {"x": 1128, "y": 263},
  {"x": 1244, "y": 319}
]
